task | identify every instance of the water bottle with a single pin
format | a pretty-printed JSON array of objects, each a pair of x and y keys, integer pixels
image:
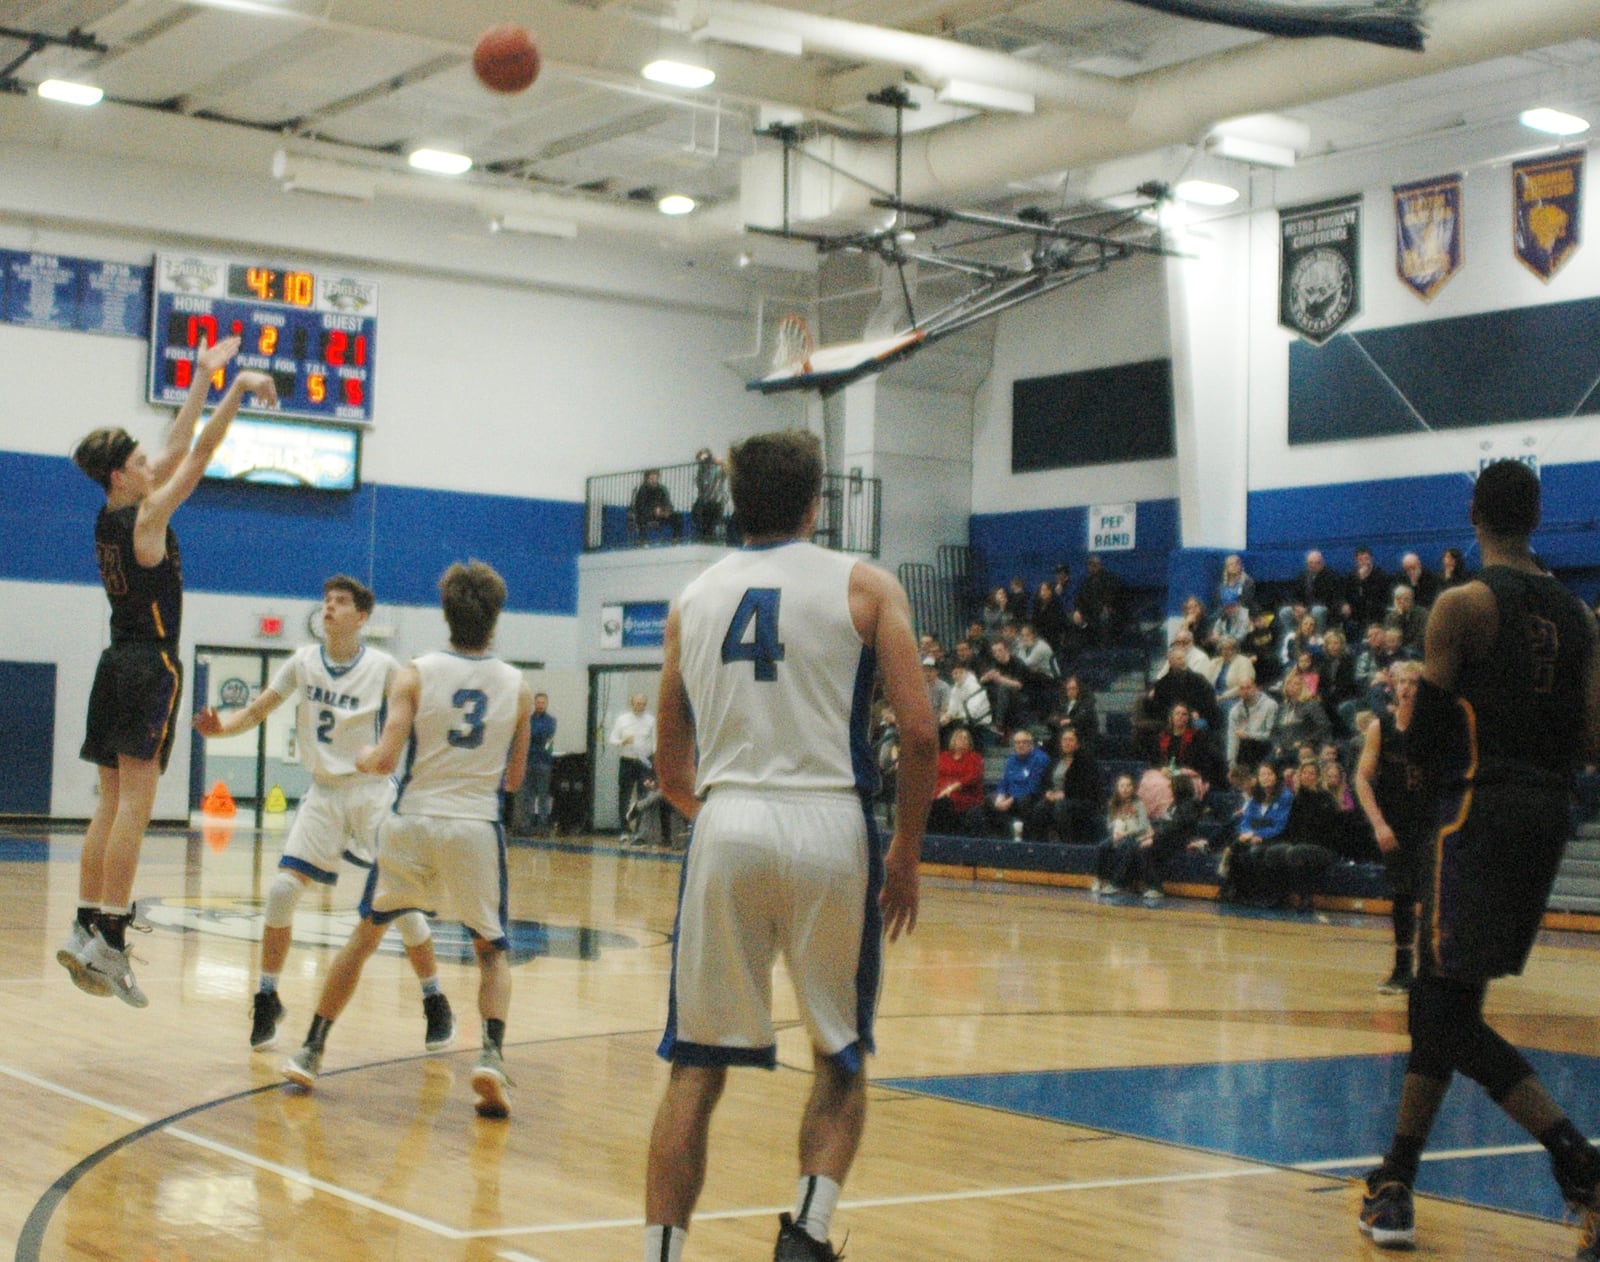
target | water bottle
[{"x": 1016, "y": 830}]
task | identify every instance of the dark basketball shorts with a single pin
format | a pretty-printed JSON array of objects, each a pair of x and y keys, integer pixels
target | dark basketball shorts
[
  {"x": 1493, "y": 866},
  {"x": 133, "y": 706}
]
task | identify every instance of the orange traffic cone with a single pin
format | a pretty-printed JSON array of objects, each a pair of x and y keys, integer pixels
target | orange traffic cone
[{"x": 219, "y": 803}]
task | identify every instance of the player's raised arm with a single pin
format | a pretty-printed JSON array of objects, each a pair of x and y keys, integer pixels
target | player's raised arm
[
  {"x": 405, "y": 694},
  {"x": 517, "y": 759},
  {"x": 674, "y": 762},
  {"x": 208, "y": 361}
]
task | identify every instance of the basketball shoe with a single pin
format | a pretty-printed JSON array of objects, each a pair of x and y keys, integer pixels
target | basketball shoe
[
  {"x": 70, "y": 957},
  {"x": 441, "y": 1022},
  {"x": 303, "y": 1067},
  {"x": 1387, "y": 1214},
  {"x": 111, "y": 966},
  {"x": 1583, "y": 1198},
  {"x": 1398, "y": 983},
  {"x": 266, "y": 1011},
  {"x": 794, "y": 1245},
  {"x": 490, "y": 1082}
]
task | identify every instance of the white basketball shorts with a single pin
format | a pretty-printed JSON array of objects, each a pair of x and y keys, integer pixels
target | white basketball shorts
[
  {"x": 334, "y": 822},
  {"x": 451, "y": 866}
]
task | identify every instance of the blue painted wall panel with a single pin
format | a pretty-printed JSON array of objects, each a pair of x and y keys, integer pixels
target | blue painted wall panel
[
  {"x": 1032, "y": 544},
  {"x": 27, "y": 736}
]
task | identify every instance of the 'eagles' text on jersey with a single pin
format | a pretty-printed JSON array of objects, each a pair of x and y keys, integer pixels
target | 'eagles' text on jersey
[{"x": 339, "y": 707}]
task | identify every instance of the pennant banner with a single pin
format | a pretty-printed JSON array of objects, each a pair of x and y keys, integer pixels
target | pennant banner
[
  {"x": 1395, "y": 23},
  {"x": 1319, "y": 267},
  {"x": 1547, "y": 203},
  {"x": 1427, "y": 225}
]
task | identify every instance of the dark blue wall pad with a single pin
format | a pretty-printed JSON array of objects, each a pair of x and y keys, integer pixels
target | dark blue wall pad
[
  {"x": 1098, "y": 416},
  {"x": 1498, "y": 368},
  {"x": 27, "y": 736},
  {"x": 279, "y": 541},
  {"x": 1033, "y": 543}
]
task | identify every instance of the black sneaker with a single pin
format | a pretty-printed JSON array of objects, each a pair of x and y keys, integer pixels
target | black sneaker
[
  {"x": 1387, "y": 1214},
  {"x": 441, "y": 1022},
  {"x": 1398, "y": 983},
  {"x": 794, "y": 1245},
  {"x": 267, "y": 1011}
]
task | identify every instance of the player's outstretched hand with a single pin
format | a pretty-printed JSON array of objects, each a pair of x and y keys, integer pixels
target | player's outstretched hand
[
  {"x": 898, "y": 898},
  {"x": 259, "y": 384},
  {"x": 208, "y": 722},
  {"x": 210, "y": 358}
]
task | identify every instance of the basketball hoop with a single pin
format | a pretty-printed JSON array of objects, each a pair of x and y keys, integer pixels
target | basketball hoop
[{"x": 792, "y": 354}]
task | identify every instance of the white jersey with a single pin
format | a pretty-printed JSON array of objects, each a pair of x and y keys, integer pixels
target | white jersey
[
  {"x": 339, "y": 708},
  {"x": 779, "y": 681},
  {"x": 466, "y": 721}
]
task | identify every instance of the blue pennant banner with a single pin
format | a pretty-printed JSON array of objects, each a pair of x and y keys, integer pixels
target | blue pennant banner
[
  {"x": 1427, "y": 227},
  {"x": 1393, "y": 23},
  {"x": 1547, "y": 204}
]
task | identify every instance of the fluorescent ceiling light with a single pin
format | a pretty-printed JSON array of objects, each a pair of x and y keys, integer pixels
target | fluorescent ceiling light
[
  {"x": 71, "y": 93},
  {"x": 1555, "y": 122},
  {"x": 983, "y": 97},
  {"x": 537, "y": 225},
  {"x": 748, "y": 35},
  {"x": 440, "y": 161},
  {"x": 675, "y": 204},
  {"x": 1254, "y": 152},
  {"x": 1206, "y": 193},
  {"x": 678, "y": 74}
]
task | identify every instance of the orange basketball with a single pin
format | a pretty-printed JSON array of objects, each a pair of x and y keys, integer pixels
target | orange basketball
[{"x": 506, "y": 59}]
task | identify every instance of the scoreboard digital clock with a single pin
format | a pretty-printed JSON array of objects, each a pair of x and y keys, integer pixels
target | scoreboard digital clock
[{"x": 315, "y": 332}]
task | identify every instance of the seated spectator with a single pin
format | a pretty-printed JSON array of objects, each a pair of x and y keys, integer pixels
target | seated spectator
[
  {"x": 1069, "y": 807},
  {"x": 996, "y": 609},
  {"x": 1453, "y": 570},
  {"x": 1230, "y": 670},
  {"x": 1366, "y": 593},
  {"x": 1184, "y": 746},
  {"x": 1315, "y": 591},
  {"x": 1293, "y": 864},
  {"x": 1051, "y": 618},
  {"x": 957, "y": 807},
  {"x": 1127, "y": 826},
  {"x": 1300, "y": 718},
  {"x": 1306, "y": 638},
  {"x": 938, "y": 690},
  {"x": 652, "y": 506},
  {"x": 710, "y": 495},
  {"x": 968, "y": 704},
  {"x": 1022, "y": 784},
  {"x": 1395, "y": 649},
  {"x": 1339, "y": 688},
  {"x": 1007, "y": 681},
  {"x": 886, "y": 754},
  {"x": 1039, "y": 690},
  {"x": 1193, "y": 618},
  {"x": 1232, "y": 623},
  {"x": 1410, "y": 620},
  {"x": 1371, "y": 659},
  {"x": 1236, "y": 587},
  {"x": 1180, "y": 684},
  {"x": 1194, "y": 657},
  {"x": 1261, "y": 647},
  {"x": 1169, "y": 836},
  {"x": 966, "y": 654},
  {"x": 1305, "y": 666},
  {"x": 1075, "y": 708},
  {"x": 1251, "y": 724},
  {"x": 1100, "y": 606},
  {"x": 1018, "y": 602},
  {"x": 1266, "y": 814},
  {"x": 1353, "y": 838},
  {"x": 1424, "y": 586}
]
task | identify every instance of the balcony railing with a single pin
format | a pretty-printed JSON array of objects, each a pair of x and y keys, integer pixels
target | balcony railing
[{"x": 696, "y": 508}]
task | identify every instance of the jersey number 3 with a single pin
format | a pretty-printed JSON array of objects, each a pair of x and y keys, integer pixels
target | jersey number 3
[
  {"x": 472, "y": 703},
  {"x": 758, "y": 610}
]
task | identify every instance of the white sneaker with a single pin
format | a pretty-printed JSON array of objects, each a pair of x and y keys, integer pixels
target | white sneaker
[
  {"x": 490, "y": 1082},
  {"x": 70, "y": 957},
  {"x": 111, "y": 966},
  {"x": 303, "y": 1067}
]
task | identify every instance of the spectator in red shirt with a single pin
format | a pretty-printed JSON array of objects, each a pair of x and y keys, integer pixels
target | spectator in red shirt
[{"x": 958, "y": 788}]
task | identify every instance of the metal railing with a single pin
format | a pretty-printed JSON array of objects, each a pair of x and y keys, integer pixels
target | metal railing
[{"x": 696, "y": 509}]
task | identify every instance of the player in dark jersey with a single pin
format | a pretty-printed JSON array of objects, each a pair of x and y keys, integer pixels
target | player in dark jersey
[
  {"x": 133, "y": 703},
  {"x": 1389, "y": 784},
  {"x": 1508, "y": 705}
]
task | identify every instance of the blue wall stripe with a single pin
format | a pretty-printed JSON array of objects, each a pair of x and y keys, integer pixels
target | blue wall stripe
[
  {"x": 1032, "y": 544},
  {"x": 253, "y": 540}
]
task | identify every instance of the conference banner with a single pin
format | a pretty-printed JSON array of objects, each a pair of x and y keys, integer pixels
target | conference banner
[
  {"x": 1427, "y": 223},
  {"x": 1547, "y": 205},
  {"x": 1319, "y": 267}
]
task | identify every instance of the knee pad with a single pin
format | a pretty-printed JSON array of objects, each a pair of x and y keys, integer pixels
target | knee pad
[
  {"x": 282, "y": 895},
  {"x": 413, "y": 927}
]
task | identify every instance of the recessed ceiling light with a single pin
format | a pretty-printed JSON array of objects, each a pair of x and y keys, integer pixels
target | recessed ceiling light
[
  {"x": 1555, "y": 122},
  {"x": 675, "y": 204},
  {"x": 71, "y": 93},
  {"x": 679, "y": 74},
  {"x": 440, "y": 161},
  {"x": 1206, "y": 193}
]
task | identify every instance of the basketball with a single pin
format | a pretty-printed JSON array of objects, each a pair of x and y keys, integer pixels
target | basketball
[{"x": 506, "y": 59}]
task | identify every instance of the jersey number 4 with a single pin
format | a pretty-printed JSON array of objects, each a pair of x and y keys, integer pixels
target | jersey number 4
[{"x": 753, "y": 634}]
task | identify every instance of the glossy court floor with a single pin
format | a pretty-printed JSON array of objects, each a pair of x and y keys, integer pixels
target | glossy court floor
[{"x": 1056, "y": 1079}]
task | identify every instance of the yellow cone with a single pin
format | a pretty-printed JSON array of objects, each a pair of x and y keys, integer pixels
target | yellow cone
[{"x": 276, "y": 803}]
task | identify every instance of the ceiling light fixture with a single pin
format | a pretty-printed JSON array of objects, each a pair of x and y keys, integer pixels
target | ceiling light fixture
[
  {"x": 1553, "y": 122},
  {"x": 679, "y": 74},
  {"x": 300, "y": 174},
  {"x": 675, "y": 204},
  {"x": 440, "y": 161},
  {"x": 70, "y": 93},
  {"x": 1206, "y": 193},
  {"x": 1252, "y": 152}
]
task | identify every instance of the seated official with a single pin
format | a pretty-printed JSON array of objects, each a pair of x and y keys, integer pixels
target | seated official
[
  {"x": 1022, "y": 784},
  {"x": 1069, "y": 807}
]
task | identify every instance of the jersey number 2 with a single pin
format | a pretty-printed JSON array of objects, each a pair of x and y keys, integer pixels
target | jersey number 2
[
  {"x": 759, "y": 607},
  {"x": 472, "y": 702}
]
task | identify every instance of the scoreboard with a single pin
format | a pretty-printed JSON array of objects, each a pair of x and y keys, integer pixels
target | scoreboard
[{"x": 315, "y": 332}]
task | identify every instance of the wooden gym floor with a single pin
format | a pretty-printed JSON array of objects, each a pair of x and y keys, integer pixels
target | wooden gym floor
[{"x": 1056, "y": 1079}]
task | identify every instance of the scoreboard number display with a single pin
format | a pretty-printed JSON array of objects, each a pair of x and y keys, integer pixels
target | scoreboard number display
[{"x": 316, "y": 332}]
